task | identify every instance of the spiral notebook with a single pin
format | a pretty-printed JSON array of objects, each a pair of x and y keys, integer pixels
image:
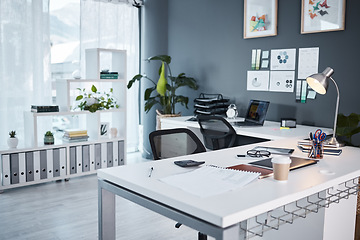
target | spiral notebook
[{"x": 210, "y": 180}]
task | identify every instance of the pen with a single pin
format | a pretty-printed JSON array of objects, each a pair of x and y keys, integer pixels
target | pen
[
  {"x": 151, "y": 170},
  {"x": 241, "y": 155}
]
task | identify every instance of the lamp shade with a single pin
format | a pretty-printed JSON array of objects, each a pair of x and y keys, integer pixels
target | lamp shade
[{"x": 320, "y": 81}]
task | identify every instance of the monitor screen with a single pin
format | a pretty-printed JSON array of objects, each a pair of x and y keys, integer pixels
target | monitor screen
[{"x": 257, "y": 111}]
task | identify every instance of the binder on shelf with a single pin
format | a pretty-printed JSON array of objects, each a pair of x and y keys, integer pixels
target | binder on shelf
[
  {"x": 5, "y": 169},
  {"x": 36, "y": 165},
  {"x": 78, "y": 159},
  {"x": 104, "y": 155},
  {"x": 73, "y": 167},
  {"x": 116, "y": 153},
  {"x": 29, "y": 158},
  {"x": 56, "y": 162},
  {"x": 43, "y": 164},
  {"x": 85, "y": 158},
  {"x": 50, "y": 163},
  {"x": 14, "y": 168},
  {"x": 97, "y": 156},
  {"x": 121, "y": 153},
  {"x": 92, "y": 157},
  {"x": 22, "y": 168},
  {"x": 62, "y": 158},
  {"x": 110, "y": 154}
]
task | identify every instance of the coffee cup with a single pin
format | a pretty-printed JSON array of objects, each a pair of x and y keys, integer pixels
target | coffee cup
[{"x": 281, "y": 166}]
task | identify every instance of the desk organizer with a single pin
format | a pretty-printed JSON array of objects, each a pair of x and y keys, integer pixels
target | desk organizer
[
  {"x": 273, "y": 219},
  {"x": 210, "y": 104}
]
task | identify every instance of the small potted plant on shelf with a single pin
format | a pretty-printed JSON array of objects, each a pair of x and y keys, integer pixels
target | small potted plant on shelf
[
  {"x": 49, "y": 138},
  {"x": 13, "y": 140}
]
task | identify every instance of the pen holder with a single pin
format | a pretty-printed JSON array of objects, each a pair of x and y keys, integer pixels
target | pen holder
[{"x": 317, "y": 150}]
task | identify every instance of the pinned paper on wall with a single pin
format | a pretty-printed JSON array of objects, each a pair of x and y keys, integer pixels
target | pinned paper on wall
[
  {"x": 311, "y": 94},
  {"x": 253, "y": 59},
  {"x": 283, "y": 59},
  {"x": 265, "y": 64},
  {"x": 308, "y": 63},
  {"x": 257, "y": 80},
  {"x": 298, "y": 90},
  {"x": 265, "y": 55},
  {"x": 303, "y": 91},
  {"x": 258, "y": 54},
  {"x": 282, "y": 81}
]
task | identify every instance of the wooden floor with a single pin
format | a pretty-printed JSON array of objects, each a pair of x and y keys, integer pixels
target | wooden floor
[{"x": 68, "y": 210}]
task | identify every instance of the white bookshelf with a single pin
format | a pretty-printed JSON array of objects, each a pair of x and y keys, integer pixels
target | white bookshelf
[{"x": 111, "y": 151}]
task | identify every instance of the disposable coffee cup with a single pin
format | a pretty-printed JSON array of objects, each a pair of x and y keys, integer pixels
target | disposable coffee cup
[{"x": 281, "y": 166}]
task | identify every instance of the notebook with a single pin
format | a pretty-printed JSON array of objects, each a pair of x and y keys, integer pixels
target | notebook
[
  {"x": 255, "y": 114},
  {"x": 243, "y": 167},
  {"x": 209, "y": 180}
]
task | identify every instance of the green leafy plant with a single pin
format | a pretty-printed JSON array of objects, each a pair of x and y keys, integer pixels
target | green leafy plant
[
  {"x": 12, "y": 134},
  {"x": 94, "y": 100},
  {"x": 49, "y": 134},
  {"x": 347, "y": 126},
  {"x": 165, "y": 88}
]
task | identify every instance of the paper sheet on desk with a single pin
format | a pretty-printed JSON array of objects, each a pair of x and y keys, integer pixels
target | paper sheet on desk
[{"x": 209, "y": 180}]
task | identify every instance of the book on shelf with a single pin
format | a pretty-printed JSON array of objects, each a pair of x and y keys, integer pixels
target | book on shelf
[
  {"x": 75, "y": 139},
  {"x": 72, "y": 132},
  {"x": 44, "y": 108},
  {"x": 109, "y": 76}
]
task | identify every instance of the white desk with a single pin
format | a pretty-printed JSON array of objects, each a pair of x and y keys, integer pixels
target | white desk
[
  {"x": 225, "y": 216},
  {"x": 270, "y": 130}
]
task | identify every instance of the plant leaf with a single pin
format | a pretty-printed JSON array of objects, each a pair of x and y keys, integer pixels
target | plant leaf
[
  {"x": 79, "y": 97},
  {"x": 135, "y": 78},
  {"x": 163, "y": 58},
  {"x": 148, "y": 92},
  {"x": 93, "y": 89}
]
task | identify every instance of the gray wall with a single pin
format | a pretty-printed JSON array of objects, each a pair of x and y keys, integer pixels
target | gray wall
[{"x": 205, "y": 40}]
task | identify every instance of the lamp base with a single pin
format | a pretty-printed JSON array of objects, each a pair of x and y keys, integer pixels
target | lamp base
[{"x": 333, "y": 141}]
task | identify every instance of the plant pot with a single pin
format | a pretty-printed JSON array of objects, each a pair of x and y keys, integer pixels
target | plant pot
[
  {"x": 159, "y": 116},
  {"x": 12, "y": 142},
  {"x": 49, "y": 140}
]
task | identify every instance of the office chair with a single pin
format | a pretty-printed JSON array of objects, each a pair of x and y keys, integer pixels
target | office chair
[
  {"x": 217, "y": 132},
  {"x": 173, "y": 143}
]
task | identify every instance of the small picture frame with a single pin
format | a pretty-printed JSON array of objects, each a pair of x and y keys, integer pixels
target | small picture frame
[
  {"x": 322, "y": 16},
  {"x": 260, "y": 18},
  {"x": 104, "y": 129}
]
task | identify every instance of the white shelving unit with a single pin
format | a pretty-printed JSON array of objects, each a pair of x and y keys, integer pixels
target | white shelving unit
[{"x": 46, "y": 162}]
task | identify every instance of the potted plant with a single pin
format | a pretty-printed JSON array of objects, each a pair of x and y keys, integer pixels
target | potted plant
[
  {"x": 347, "y": 126},
  {"x": 13, "y": 140},
  {"x": 49, "y": 138},
  {"x": 163, "y": 92},
  {"x": 95, "y": 100}
]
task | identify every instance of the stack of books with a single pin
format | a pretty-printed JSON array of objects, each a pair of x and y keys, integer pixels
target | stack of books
[
  {"x": 43, "y": 108},
  {"x": 109, "y": 75},
  {"x": 305, "y": 146},
  {"x": 75, "y": 135}
]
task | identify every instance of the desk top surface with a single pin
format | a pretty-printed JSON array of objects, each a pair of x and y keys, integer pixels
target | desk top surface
[
  {"x": 270, "y": 130},
  {"x": 251, "y": 200}
]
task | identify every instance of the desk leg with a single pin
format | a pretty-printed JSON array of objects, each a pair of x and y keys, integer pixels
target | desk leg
[
  {"x": 234, "y": 232},
  {"x": 106, "y": 214}
]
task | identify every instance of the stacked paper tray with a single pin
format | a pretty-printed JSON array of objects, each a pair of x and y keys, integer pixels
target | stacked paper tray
[{"x": 210, "y": 104}]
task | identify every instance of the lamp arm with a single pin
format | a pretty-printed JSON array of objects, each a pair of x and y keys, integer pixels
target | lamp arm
[{"x": 337, "y": 105}]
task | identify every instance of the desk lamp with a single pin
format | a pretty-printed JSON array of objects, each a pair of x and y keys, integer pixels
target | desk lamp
[{"x": 319, "y": 82}]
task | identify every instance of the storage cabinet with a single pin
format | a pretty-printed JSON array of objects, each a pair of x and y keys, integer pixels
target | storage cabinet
[{"x": 35, "y": 162}]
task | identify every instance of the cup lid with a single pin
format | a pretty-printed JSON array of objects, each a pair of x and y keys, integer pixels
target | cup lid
[{"x": 281, "y": 160}]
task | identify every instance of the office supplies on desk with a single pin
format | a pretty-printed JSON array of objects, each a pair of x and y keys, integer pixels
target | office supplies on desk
[
  {"x": 249, "y": 168},
  {"x": 296, "y": 163},
  {"x": 207, "y": 181},
  {"x": 188, "y": 163},
  {"x": 255, "y": 115},
  {"x": 274, "y": 150},
  {"x": 151, "y": 170}
]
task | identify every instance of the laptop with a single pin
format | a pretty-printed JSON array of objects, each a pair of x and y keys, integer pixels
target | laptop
[
  {"x": 296, "y": 163},
  {"x": 255, "y": 115}
]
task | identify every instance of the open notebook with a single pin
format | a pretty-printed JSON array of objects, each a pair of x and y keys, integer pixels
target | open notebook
[{"x": 210, "y": 180}]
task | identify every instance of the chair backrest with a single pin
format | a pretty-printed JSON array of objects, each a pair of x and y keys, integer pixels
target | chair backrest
[
  {"x": 174, "y": 142},
  {"x": 217, "y": 132}
]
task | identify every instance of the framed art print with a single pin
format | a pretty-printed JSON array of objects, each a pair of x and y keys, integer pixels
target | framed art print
[
  {"x": 260, "y": 18},
  {"x": 322, "y": 16}
]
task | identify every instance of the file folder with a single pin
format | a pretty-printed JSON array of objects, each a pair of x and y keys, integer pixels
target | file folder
[
  {"x": 56, "y": 162},
  {"x": 36, "y": 165},
  {"x": 109, "y": 154},
  {"x": 14, "y": 168},
  {"x": 73, "y": 160},
  {"x": 22, "y": 168},
  {"x": 62, "y": 157},
  {"x": 29, "y": 158},
  {"x": 43, "y": 164},
  {"x": 103, "y": 155},
  {"x": 50, "y": 163},
  {"x": 97, "y": 156},
  {"x": 116, "y": 154},
  {"x": 5, "y": 169},
  {"x": 85, "y": 158},
  {"x": 79, "y": 159},
  {"x": 121, "y": 153},
  {"x": 92, "y": 157}
]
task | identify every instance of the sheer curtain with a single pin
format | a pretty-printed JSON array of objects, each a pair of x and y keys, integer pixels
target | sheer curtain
[
  {"x": 114, "y": 25},
  {"x": 24, "y": 62}
]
